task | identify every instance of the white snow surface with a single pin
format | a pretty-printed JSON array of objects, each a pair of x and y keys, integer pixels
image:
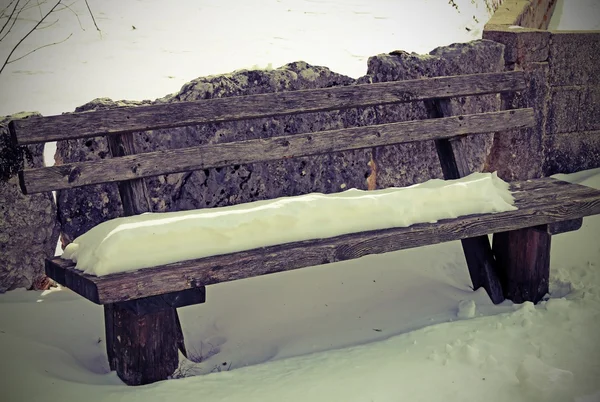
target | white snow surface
[
  {"x": 148, "y": 49},
  {"x": 576, "y": 15},
  {"x": 151, "y": 239},
  {"x": 402, "y": 326}
]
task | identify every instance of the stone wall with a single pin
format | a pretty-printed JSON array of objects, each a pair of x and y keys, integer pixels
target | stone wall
[
  {"x": 82, "y": 208},
  {"x": 564, "y": 68},
  {"x": 28, "y": 228},
  {"x": 573, "y": 122}
]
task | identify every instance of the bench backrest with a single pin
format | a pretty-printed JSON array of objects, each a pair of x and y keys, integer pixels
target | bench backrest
[{"x": 128, "y": 168}]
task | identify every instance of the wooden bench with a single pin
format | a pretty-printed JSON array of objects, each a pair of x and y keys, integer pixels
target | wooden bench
[{"x": 143, "y": 333}]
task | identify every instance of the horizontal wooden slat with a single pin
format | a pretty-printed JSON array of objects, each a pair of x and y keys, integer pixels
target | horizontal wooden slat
[
  {"x": 142, "y": 118},
  {"x": 269, "y": 149},
  {"x": 540, "y": 202}
]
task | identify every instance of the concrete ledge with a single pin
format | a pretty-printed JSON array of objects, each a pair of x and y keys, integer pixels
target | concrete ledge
[{"x": 534, "y": 14}]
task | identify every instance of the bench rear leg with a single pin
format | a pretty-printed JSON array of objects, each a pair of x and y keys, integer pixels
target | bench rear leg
[
  {"x": 523, "y": 258},
  {"x": 142, "y": 347}
]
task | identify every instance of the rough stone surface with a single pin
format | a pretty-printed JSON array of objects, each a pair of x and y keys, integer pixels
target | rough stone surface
[
  {"x": 410, "y": 163},
  {"x": 28, "y": 227},
  {"x": 574, "y": 58},
  {"x": 518, "y": 154},
  {"x": 572, "y": 152},
  {"x": 83, "y": 208},
  {"x": 589, "y": 109},
  {"x": 522, "y": 45},
  {"x": 563, "y": 110}
]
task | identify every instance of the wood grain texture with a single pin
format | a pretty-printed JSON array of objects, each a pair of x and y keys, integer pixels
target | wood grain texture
[
  {"x": 523, "y": 257},
  {"x": 130, "y": 119},
  {"x": 133, "y": 192},
  {"x": 268, "y": 149},
  {"x": 142, "y": 350},
  {"x": 143, "y": 336},
  {"x": 540, "y": 202},
  {"x": 477, "y": 250}
]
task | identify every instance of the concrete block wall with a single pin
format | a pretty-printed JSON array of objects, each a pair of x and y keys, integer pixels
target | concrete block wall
[{"x": 564, "y": 72}]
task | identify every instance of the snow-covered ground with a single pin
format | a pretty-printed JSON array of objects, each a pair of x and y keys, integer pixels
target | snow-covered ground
[
  {"x": 150, "y": 48},
  {"x": 403, "y": 326}
]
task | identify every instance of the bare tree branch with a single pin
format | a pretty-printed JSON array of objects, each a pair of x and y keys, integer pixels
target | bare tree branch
[
  {"x": 39, "y": 5},
  {"x": 3, "y": 12},
  {"x": 47, "y": 26},
  {"x": 27, "y": 35},
  {"x": 38, "y": 48},
  {"x": 68, "y": 7},
  {"x": 14, "y": 19},
  {"x": 93, "y": 19},
  {"x": 9, "y": 17}
]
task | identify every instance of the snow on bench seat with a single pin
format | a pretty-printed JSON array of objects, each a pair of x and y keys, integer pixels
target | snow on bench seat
[
  {"x": 151, "y": 239},
  {"x": 537, "y": 202}
]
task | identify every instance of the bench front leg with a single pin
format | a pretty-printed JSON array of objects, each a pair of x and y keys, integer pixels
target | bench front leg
[
  {"x": 523, "y": 263},
  {"x": 142, "y": 345}
]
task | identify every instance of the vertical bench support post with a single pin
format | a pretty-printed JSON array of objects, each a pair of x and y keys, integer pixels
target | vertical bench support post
[
  {"x": 477, "y": 250},
  {"x": 524, "y": 263},
  {"x": 141, "y": 346}
]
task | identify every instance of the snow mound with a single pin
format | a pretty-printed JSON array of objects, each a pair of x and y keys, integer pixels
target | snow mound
[
  {"x": 151, "y": 239},
  {"x": 542, "y": 382},
  {"x": 466, "y": 309}
]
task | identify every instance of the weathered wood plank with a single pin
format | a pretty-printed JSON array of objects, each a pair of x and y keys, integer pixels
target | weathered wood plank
[
  {"x": 477, "y": 250},
  {"x": 142, "y": 336},
  {"x": 564, "y": 227},
  {"x": 523, "y": 257},
  {"x": 539, "y": 201},
  {"x": 133, "y": 192},
  {"x": 143, "y": 347},
  {"x": 268, "y": 149},
  {"x": 130, "y": 119}
]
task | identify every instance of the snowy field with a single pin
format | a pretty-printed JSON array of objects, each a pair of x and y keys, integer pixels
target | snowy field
[
  {"x": 188, "y": 39},
  {"x": 403, "y": 326}
]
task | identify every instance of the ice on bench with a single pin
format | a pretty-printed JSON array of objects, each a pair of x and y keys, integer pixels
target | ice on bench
[{"x": 151, "y": 239}]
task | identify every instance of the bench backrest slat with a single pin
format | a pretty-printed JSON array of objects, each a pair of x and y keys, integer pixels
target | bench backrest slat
[
  {"x": 131, "y": 119},
  {"x": 261, "y": 150}
]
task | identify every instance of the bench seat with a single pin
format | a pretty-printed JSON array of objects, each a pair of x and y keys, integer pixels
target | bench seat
[{"x": 539, "y": 202}]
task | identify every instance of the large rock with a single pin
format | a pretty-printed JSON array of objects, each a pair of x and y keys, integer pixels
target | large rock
[
  {"x": 28, "y": 227},
  {"x": 416, "y": 162},
  {"x": 83, "y": 208}
]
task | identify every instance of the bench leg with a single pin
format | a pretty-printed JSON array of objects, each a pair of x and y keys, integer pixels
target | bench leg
[
  {"x": 523, "y": 258},
  {"x": 482, "y": 267},
  {"x": 142, "y": 347}
]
